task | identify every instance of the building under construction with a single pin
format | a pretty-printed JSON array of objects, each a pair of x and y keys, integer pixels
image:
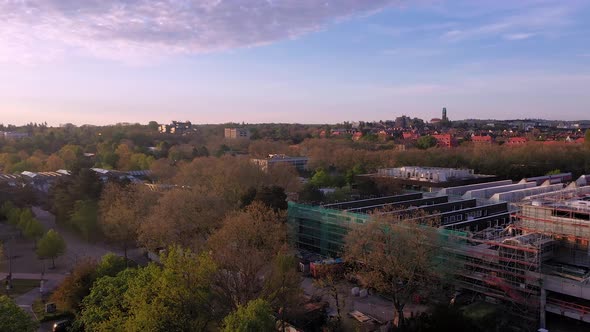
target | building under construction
[{"x": 533, "y": 259}]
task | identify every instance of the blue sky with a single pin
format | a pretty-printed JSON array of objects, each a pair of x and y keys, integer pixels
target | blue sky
[{"x": 305, "y": 61}]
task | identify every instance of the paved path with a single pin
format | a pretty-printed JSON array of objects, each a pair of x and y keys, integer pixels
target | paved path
[{"x": 76, "y": 248}]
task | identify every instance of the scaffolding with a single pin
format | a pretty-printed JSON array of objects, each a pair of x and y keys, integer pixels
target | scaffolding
[{"x": 540, "y": 262}]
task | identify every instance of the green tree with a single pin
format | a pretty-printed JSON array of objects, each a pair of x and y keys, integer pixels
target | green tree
[
  {"x": 105, "y": 309},
  {"x": 85, "y": 218},
  {"x": 321, "y": 178},
  {"x": 425, "y": 142},
  {"x": 174, "y": 297},
  {"x": 13, "y": 216},
  {"x": 51, "y": 245},
  {"x": 255, "y": 316},
  {"x": 77, "y": 285},
  {"x": 109, "y": 265},
  {"x": 33, "y": 230},
  {"x": 5, "y": 209},
  {"x": 13, "y": 318},
  {"x": 587, "y": 138},
  {"x": 153, "y": 125},
  {"x": 25, "y": 218}
]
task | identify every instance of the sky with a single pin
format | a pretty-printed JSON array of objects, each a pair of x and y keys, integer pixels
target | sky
[{"x": 299, "y": 61}]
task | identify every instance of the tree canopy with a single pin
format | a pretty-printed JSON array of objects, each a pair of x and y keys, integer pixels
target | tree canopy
[
  {"x": 256, "y": 315},
  {"x": 51, "y": 245},
  {"x": 13, "y": 318}
]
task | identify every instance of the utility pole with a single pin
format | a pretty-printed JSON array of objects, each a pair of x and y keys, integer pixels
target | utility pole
[{"x": 9, "y": 284}]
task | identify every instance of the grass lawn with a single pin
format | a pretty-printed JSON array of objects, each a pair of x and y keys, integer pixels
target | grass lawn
[{"x": 21, "y": 286}]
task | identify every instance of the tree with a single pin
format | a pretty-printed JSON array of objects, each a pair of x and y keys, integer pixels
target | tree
[
  {"x": 587, "y": 138},
  {"x": 273, "y": 197},
  {"x": 153, "y": 125},
  {"x": 5, "y": 209},
  {"x": 26, "y": 217},
  {"x": 33, "y": 230},
  {"x": 328, "y": 278},
  {"x": 183, "y": 297},
  {"x": 311, "y": 194},
  {"x": 109, "y": 265},
  {"x": 283, "y": 286},
  {"x": 257, "y": 233},
  {"x": 256, "y": 315},
  {"x": 121, "y": 210},
  {"x": 70, "y": 293},
  {"x": 85, "y": 218},
  {"x": 397, "y": 255},
  {"x": 321, "y": 178},
  {"x": 51, "y": 245},
  {"x": 184, "y": 217},
  {"x": 77, "y": 285},
  {"x": 105, "y": 309},
  {"x": 13, "y": 318},
  {"x": 425, "y": 142}
]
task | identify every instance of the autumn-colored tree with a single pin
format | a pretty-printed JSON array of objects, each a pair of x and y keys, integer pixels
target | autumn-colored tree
[
  {"x": 328, "y": 279},
  {"x": 70, "y": 293},
  {"x": 124, "y": 152},
  {"x": 122, "y": 209},
  {"x": 283, "y": 286},
  {"x": 227, "y": 178},
  {"x": 398, "y": 255},
  {"x": 285, "y": 176},
  {"x": 257, "y": 233},
  {"x": 54, "y": 163},
  {"x": 184, "y": 217},
  {"x": 77, "y": 285}
]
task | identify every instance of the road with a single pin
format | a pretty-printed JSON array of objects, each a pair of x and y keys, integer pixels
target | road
[
  {"x": 25, "y": 264},
  {"x": 77, "y": 248}
]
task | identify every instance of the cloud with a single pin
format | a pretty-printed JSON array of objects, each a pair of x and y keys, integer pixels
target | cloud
[
  {"x": 41, "y": 30},
  {"x": 518, "y": 36},
  {"x": 533, "y": 21},
  {"x": 412, "y": 52}
]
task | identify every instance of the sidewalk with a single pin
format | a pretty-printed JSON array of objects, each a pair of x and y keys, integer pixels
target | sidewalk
[{"x": 25, "y": 301}]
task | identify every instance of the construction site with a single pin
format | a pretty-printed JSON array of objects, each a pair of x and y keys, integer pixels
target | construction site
[{"x": 522, "y": 245}]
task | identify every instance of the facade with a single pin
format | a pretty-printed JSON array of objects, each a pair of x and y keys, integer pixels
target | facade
[
  {"x": 476, "y": 139},
  {"x": 428, "y": 179},
  {"x": 13, "y": 135},
  {"x": 177, "y": 127},
  {"x": 300, "y": 163},
  {"x": 321, "y": 229},
  {"x": 444, "y": 140},
  {"x": 533, "y": 261},
  {"x": 517, "y": 141},
  {"x": 236, "y": 133}
]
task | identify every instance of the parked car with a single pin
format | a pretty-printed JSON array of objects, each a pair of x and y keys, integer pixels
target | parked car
[{"x": 62, "y": 325}]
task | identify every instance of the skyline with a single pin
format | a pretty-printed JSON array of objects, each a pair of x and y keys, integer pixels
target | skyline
[{"x": 103, "y": 62}]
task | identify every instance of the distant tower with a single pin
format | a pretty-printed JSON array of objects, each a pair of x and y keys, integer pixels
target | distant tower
[{"x": 444, "y": 115}]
